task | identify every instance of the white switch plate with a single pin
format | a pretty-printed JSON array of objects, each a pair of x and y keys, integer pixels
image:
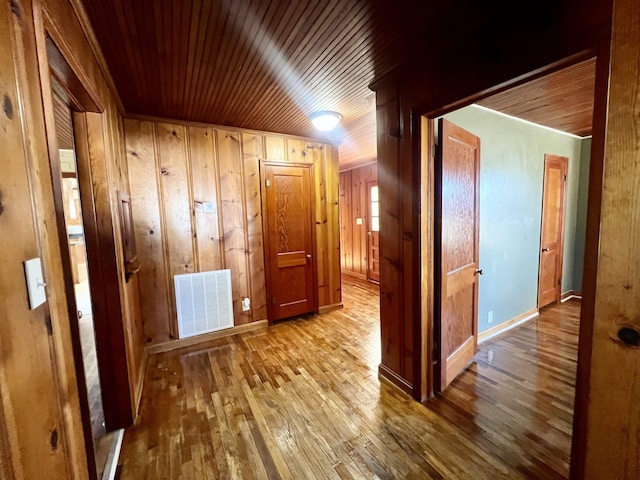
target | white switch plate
[
  {"x": 35, "y": 283},
  {"x": 359, "y": 221},
  {"x": 208, "y": 207}
]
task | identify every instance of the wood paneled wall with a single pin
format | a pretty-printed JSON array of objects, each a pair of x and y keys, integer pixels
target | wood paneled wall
[
  {"x": 174, "y": 168},
  {"x": 40, "y": 414},
  {"x": 353, "y": 205}
]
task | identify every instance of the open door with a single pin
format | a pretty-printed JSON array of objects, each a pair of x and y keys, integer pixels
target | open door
[
  {"x": 552, "y": 229},
  {"x": 288, "y": 227},
  {"x": 373, "y": 233},
  {"x": 457, "y": 256}
]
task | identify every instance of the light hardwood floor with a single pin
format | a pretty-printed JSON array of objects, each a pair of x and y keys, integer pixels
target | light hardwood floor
[{"x": 302, "y": 400}]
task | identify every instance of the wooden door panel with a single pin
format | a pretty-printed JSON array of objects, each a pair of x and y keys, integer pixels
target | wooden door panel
[
  {"x": 457, "y": 250},
  {"x": 552, "y": 229},
  {"x": 288, "y": 202}
]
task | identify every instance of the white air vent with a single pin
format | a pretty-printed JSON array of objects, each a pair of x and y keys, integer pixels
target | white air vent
[{"x": 203, "y": 302}]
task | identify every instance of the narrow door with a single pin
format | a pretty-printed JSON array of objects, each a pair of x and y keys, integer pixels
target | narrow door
[
  {"x": 288, "y": 226},
  {"x": 458, "y": 169},
  {"x": 373, "y": 234},
  {"x": 552, "y": 229}
]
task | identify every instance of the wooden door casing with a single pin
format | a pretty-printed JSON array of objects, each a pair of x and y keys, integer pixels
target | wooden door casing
[
  {"x": 288, "y": 206},
  {"x": 552, "y": 229},
  {"x": 457, "y": 250}
]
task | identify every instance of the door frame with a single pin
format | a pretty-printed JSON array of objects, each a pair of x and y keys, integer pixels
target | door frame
[
  {"x": 563, "y": 211},
  {"x": 265, "y": 232},
  {"x": 422, "y": 143},
  {"x": 56, "y": 73}
]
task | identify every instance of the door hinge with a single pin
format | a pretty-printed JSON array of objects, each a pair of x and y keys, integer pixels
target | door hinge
[
  {"x": 273, "y": 300},
  {"x": 267, "y": 183},
  {"x": 565, "y": 177},
  {"x": 559, "y": 281}
]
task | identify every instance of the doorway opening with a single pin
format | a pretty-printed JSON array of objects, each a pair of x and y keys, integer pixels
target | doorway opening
[
  {"x": 511, "y": 256},
  {"x": 73, "y": 220}
]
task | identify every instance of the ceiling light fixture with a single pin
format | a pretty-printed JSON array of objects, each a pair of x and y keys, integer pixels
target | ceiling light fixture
[{"x": 325, "y": 120}]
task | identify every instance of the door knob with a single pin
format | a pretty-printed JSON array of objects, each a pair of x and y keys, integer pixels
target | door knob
[
  {"x": 479, "y": 271},
  {"x": 545, "y": 249},
  {"x": 309, "y": 255}
]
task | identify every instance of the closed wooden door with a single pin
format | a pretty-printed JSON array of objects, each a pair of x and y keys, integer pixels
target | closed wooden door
[
  {"x": 373, "y": 234},
  {"x": 552, "y": 229},
  {"x": 288, "y": 226},
  {"x": 458, "y": 170}
]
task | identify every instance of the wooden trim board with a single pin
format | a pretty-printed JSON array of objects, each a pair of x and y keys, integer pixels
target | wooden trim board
[
  {"x": 508, "y": 325},
  {"x": 190, "y": 341},
  {"x": 386, "y": 375},
  {"x": 330, "y": 308}
]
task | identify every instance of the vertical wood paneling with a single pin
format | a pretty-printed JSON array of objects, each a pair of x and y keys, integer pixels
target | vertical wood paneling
[
  {"x": 296, "y": 150},
  {"x": 316, "y": 157},
  {"x": 332, "y": 201},
  {"x": 154, "y": 294},
  {"x": 29, "y": 385},
  {"x": 252, "y": 150},
  {"x": 391, "y": 287},
  {"x": 204, "y": 180},
  {"x": 355, "y": 237},
  {"x": 176, "y": 203},
  {"x": 275, "y": 148},
  {"x": 205, "y": 164},
  {"x": 345, "y": 221},
  {"x": 234, "y": 217}
]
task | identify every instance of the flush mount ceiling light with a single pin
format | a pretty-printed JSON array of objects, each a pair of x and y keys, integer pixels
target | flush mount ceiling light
[{"x": 325, "y": 120}]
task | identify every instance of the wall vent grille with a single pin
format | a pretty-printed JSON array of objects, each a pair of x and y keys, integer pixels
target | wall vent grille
[{"x": 203, "y": 302}]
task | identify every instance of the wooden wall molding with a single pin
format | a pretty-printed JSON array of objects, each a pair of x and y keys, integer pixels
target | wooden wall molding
[{"x": 200, "y": 339}]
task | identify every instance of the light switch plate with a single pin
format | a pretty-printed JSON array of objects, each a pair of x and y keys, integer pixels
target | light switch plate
[
  {"x": 208, "y": 207},
  {"x": 35, "y": 283},
  {"x": 359, "y": 221}
]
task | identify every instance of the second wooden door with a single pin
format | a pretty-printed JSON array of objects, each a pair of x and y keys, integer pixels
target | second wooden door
[
  {"x": 552, "y": 229},
  {"x": 288, "y": 227},
  {"x": 457, "y": 250}
]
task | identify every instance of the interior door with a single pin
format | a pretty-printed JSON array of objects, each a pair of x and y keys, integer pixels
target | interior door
[
  {"x": 288, "y": 219},
  {"x": 457, "y": 197},
  {"x": 552, "y": 229},
  {"x": 373, "y": 233}
]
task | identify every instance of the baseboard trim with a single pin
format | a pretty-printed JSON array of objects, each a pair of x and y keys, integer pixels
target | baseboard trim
[
  {"x": 190, "y": 341},
  {"x": 569, "y": 294},
  {"x": 140, "y": 384},
  {"x": 359, "y": 276},
  {"x": 111, "y": 466},
  {"x": 330, "y": 308},
  {"x": 508, "y": 325},
  {"x": 388, "y": 376}
]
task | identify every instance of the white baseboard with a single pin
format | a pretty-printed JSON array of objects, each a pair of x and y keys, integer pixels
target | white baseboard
[{"x": 508, "y": 325}]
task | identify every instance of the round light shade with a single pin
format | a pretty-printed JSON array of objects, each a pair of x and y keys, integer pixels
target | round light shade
[{"x": 325, "y": 120}]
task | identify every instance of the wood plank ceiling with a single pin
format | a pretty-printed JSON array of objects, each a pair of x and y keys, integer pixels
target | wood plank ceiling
[{"x": 267, "y": 65}]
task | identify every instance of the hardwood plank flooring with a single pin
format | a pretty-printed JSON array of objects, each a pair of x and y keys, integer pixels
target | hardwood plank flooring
[{"x": 301, "y": 400}]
